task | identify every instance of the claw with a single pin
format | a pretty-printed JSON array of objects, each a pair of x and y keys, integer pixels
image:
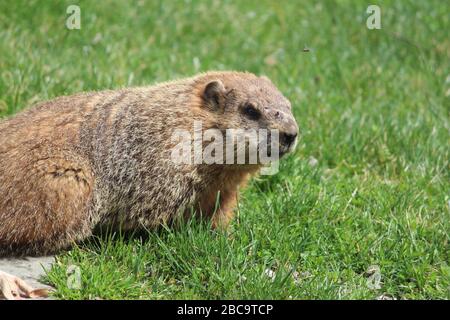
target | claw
[{"x": 14, "y": 288}]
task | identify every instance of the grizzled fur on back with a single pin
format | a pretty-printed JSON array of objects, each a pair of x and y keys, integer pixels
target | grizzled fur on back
[{"x": 104, "y": 159}]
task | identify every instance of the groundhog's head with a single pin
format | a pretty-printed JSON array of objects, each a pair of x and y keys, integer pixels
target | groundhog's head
[{"x": 246, "y": 101}]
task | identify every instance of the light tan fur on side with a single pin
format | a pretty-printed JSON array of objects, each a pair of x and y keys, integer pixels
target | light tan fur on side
[{"x": 103, "y": 158}]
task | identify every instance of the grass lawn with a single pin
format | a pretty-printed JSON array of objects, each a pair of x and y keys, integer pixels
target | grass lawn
[{"x": 368, "y": 186}]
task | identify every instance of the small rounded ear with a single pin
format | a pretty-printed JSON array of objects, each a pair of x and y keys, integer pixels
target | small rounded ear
[{"x": 214, "y": 93}]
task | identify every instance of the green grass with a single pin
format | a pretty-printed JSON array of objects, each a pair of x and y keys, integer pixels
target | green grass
[{"x": 373, "y": 107}]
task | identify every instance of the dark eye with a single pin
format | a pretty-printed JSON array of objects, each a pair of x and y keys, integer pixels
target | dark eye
[{"x": 251, "y": 112}]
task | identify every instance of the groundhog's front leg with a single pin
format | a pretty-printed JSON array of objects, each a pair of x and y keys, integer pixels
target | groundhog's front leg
[
  {"x": 14, "y": 288},
  {"x": 227, "y": 194},
  {"x": 225, "y": 213}
]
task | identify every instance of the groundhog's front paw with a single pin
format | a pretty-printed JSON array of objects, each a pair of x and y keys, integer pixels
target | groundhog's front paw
[{"x": 14, "y": 288}]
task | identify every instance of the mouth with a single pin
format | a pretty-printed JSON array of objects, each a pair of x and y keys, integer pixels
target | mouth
[
  {"x": 283, "y": 149},
  {"x": 286, "y": 149}
]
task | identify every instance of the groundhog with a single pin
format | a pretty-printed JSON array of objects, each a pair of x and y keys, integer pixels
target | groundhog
[{"x": 105, "y": 158}]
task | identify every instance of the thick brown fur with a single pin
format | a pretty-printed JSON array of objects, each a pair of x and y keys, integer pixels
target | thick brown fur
[{"x": 104, "y": 158}]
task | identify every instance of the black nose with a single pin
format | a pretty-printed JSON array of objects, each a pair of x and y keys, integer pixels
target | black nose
[{"x": 288, "y": 138}]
